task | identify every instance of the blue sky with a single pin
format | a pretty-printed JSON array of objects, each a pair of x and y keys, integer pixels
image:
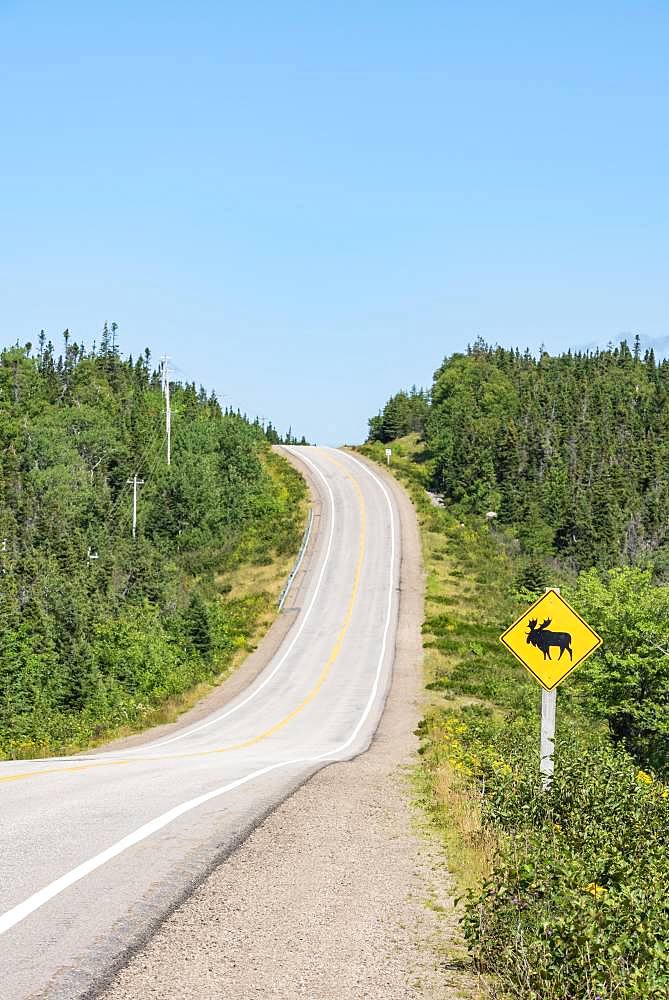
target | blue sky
[{"x": 309, "y": 205}]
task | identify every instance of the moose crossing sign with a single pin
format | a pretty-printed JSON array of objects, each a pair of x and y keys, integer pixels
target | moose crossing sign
[{"x": 550, "y": 639}]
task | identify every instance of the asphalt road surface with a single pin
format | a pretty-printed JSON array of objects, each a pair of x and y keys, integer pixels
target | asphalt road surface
[{"x": 96, "y": 849}]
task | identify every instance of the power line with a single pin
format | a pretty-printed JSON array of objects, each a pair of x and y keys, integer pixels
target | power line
[
  {"x": 190, "y": 380},
  {"x": 138, "y": 468}
]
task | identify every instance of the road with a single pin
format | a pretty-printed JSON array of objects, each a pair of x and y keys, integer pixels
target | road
[{"x": 97, "y": 848}]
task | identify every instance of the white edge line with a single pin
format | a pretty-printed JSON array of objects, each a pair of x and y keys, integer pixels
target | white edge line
[{"x": 22, "y": 910}]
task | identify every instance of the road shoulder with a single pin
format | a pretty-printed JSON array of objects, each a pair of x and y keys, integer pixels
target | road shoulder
[{"x": 338, "y": 893}]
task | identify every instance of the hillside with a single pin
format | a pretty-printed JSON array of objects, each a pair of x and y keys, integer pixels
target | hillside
[
  {"x": 100, "y": 629},
  {"x": 572, "y": 450}
]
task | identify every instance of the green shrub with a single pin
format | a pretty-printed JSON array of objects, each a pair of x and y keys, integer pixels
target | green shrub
[
  {"x": 627, "y": 682},
  {"x": 578, "y": 903}
]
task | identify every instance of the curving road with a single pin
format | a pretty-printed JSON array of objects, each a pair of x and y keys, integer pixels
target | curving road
[{"x": 96, "y": 849}]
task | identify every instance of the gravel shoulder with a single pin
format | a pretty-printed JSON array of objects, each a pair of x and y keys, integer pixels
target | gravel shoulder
[{"x": 339, "y": 893}]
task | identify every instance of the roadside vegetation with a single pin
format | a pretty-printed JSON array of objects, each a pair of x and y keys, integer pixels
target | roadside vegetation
[
  {"x": 101, "y": 633},
  {"x": 565, "y": 894}
]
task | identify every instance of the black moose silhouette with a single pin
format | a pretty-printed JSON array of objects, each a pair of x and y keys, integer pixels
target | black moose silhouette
[{"x": 543, "y": 640}]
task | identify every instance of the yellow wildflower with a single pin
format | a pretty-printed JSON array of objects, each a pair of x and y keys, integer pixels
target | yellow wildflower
[
  {"x": 501, "y": 767},
  {"x": 595, "y": 890},
  {"x": 644, "y": 778}
]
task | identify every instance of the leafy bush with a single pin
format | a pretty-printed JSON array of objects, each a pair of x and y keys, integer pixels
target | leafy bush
[
  {"x": 627, "y": 682},
  {"x": 577, "y": 905}
]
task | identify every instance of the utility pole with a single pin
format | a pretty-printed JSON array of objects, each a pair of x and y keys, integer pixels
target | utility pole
[
  {"x": 165, "y": 372},
  {"x": 134, "y": 482}
]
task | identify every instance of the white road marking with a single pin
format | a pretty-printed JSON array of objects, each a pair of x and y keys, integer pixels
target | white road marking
[{"x": 22, "y": 910}]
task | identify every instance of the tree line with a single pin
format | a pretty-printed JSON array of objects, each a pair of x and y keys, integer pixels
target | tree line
[
  {"x": 96, "y": 627},
  {"x": 571, "y": 451}
]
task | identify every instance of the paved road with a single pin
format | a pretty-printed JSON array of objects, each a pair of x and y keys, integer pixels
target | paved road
[{"x": 96, "y": 849}]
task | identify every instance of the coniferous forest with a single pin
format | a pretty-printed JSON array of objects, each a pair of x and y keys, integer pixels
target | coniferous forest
[
  {"x": 98, "y": 627},
  {"x": 571, "y": 450}
]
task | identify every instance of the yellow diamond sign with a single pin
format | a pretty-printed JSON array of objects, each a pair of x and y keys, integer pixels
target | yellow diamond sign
[{"x": 551, "y": 639}]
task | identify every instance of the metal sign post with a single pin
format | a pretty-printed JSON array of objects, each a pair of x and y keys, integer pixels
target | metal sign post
[
  {"x": 548, "y": 709},
  {"x": 389, "y": 452},
  {"x": 547, "y": 746}
]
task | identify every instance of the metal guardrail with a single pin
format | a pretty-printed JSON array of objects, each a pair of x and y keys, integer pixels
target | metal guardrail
[{"x": 298, "y": 561}]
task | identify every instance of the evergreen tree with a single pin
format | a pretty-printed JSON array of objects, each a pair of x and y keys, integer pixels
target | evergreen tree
[{"x": 572, "y": 451}]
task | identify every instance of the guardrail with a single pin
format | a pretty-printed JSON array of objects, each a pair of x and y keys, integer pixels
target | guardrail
[{"x": 298, "y": 561}]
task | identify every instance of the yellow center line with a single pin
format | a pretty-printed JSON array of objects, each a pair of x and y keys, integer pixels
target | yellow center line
[
  {"x": 336, "y": 649},
  {"x": 252, "y": 741},
  {"x": 60, "y": 770}
]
